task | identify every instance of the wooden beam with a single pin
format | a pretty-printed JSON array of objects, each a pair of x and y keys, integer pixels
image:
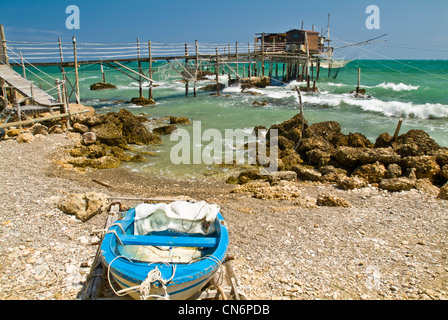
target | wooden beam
[
  {"x": 26, "y": 122},
  {"x": 137, "y": 73}
]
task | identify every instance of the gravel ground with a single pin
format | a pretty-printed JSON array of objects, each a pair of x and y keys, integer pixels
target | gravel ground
[{"x": 386, "y": 246}]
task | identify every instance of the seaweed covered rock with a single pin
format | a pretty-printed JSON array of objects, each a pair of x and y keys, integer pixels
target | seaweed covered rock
[
  {"x": 109, "y": 133},
  {"x": 134, "y": 131},
  {"x": 102, "y": 86},
  {"x": 141, "y": 101},
  {"x": 321, "y": 152},
  {"x": 373, "y": 173},
  {"x": 418, "y": 141},
  {"x": 425, "y": 166},
  {"x": 179, "y": 120}
]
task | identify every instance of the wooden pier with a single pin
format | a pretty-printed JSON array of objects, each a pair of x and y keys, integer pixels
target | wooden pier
[{"x": 292, "y": 55}]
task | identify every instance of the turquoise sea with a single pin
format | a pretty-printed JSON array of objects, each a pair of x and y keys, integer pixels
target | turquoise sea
[{"x": 415, "y": 90}]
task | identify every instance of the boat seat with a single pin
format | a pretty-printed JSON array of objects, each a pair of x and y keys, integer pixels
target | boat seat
[{"x": 151, "y": 240}]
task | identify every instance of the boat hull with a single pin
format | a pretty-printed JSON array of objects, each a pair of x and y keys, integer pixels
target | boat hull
[{"x": 186, "y": 279}]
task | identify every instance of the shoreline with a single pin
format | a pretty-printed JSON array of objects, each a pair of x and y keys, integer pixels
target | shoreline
[{"x": 387, "y": 245}]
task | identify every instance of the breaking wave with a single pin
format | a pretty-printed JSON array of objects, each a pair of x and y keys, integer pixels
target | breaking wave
[
  {"x": 397, "y": 87},
  {"x": 402, "y": 109}
]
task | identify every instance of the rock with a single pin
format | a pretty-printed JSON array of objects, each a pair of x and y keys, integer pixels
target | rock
[
  {"x": 232, "y": 180},
  {"x": 79, "y": 152},
  {"x": 284, "y": 190},
  {"x": 420, "y": 139},
  {"x": 348, "y": 183},
  {"x": 39, "y": 129},
  {"x": 347, "y": 156},
  {"x": 134, "y": 131},
  {"x": 425, "y": 166},
  {"x": 110, "y": 134},
  {"x": 81, "y": 128},
  {"x": 332, "y": 174},
  {"x": 250, "y": 186},
  {"x": 255, "y": 82},
  {"x": 96, "y": 151},
  {"x": 384, "y": 140},
  {"x": 326, "y": 199},
  {"x": 102, "y": 86},
  {"x": 291, "y": 160},
  {"x": 290, "y": 128},
  {"x": 306, "y": 173},
  {"x": 393, "y": 171},
  {"x": 397, "y": 184},
  {"x": 425, "y": 186},
  {"x": 56, "y": 129},
  {"x": 260, "y": 103},
  {"x": 358, "y": 140},
  {"x": 373, "y": 173},
  {"x": 179, "y": 120},
  {"x": 443, "y": 194},
  {"x": 83, "y": 205},
  {"x": 213, "y": 87},
  {"x": 318, "y": 157},
  {"x": 307, "y": 144},
  {"x": 168, "y": 129},
  {"x": 25, "y": 137},
  {"x": 142, "y": 101},
  {"x": 441, "y": 156},
  {"x": 275, "y": 177},
  {"x": 384, "y": 155},
  {"x": 120, "y": 154},
  {"x": 444, "y": 172},
  {"x": 249, "y": 175},
  {"x": 88, "y": 138},
  {"x": 105, "y": 162},
  {"x": 13, "y": 132}
]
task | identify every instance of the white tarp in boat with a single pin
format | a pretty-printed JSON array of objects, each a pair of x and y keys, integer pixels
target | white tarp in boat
[{"x": 181, "y": 216}]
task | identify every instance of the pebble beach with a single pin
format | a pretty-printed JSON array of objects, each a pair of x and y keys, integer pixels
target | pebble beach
[{"x": 383, "y": 245}]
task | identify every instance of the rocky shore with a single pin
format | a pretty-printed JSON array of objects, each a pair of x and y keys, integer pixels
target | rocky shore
[
  {"x": 325, "y": 227},
  {"x": 321, "y": 152}
]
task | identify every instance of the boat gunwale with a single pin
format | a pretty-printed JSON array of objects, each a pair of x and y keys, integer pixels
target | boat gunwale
[{"x": 136, "y": 272}]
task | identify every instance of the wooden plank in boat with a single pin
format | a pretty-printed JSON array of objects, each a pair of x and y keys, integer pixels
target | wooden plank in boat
[{"x": 205, "y": 242}]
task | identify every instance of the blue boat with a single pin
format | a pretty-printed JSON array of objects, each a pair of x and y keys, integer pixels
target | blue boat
[{"x": 163, "y": 264}]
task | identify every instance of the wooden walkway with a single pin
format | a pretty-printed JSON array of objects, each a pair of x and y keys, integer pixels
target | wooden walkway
[{"x": 27, "y": 88}]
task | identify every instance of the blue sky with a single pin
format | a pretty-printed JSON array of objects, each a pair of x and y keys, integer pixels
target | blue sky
[{"x": 416, "y": 29}]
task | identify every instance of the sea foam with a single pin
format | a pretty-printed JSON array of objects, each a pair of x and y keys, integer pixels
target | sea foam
[{"x": 397, "y": 87}]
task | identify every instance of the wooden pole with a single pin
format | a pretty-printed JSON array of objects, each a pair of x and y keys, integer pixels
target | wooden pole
[
  {"x": 140, "y": 88},
  {"x": 102, "y": 71},
  {"x": 150, "y": 70},
  {"x": 236, "y": 57},
  {"x": 397, "y": 130},
  {"x": 19, "y": 112},
  {"x": 186, "y": 64},
  {"x": 4, "y": 48},
  {"x": 64, "y": 77},
  {"x": 78, "y": 98},
  {"x": 23, "y": 64},
  {"x": 250, "y": 62},
  {"x": 359, "y": 80},
  {"x": 262, "y": 55},
  {"x": 317, "y": 71},
  {"x": 196, "y": 66},
  {"x": 217, "y": 71}
]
